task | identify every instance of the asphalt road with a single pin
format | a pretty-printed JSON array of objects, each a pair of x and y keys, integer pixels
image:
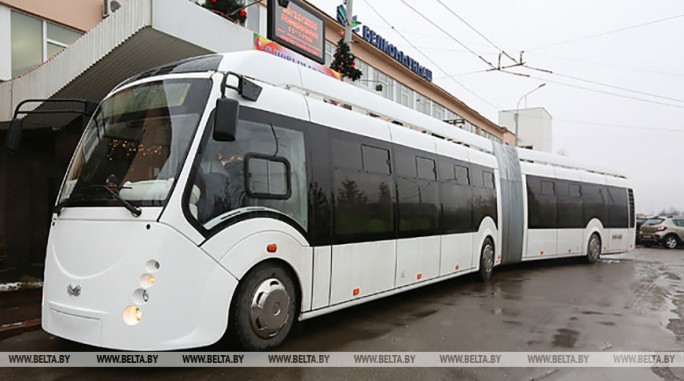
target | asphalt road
[{"x": 627, "y": 302}]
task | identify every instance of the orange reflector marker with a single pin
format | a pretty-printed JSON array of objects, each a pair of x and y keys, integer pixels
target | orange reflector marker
[
  {"x": 272, "y": 248},
  {"x": 419, "y": 276},
  {"x": 457, "y": 267},
  {"x": 498, "y": 258},
  {"x": 356, "y": 291}
]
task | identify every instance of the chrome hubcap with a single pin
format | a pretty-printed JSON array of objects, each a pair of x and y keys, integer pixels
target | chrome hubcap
[
  {"x": 488, "y": 257},
  {"x": 671, "y": 242},
  {"x": 269, "y": 308},
  {"x": 594, "y": 247}
]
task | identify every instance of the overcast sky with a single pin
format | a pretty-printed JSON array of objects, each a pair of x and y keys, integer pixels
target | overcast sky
[{"x": 603, "y": 54}]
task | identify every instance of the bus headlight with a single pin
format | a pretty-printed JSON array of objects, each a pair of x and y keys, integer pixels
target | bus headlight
[
  {"x": 132, "y": 315},
  {"x": 147, "y": 281}
]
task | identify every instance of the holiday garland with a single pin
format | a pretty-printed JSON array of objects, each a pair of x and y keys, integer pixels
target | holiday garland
[
  {"x": 227, "y": 8},
  {"x": 344, "y": 62}
]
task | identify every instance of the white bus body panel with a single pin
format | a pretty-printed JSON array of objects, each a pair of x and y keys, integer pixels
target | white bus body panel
[
  {"x": 321, "y": 277},
  {"x": 240, "y": 247},
  {"x": 417, "y": 260},
  {"x": 457, "y": 151},
  {"x": 188, "y": 304},
  {"x": 342, "y": 119},
  {"x": 457, "y": 253},
  {"x": 367, "y": 267},
  {"x": 487, "y": 229}
]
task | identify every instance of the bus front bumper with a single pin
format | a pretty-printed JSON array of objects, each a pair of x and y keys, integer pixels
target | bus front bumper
[{"x": 132, "y": 286}]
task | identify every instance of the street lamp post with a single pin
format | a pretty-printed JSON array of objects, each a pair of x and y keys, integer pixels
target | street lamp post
[
  {"x": 348, "y": 27},
  {"x": 516, "y": 117}
]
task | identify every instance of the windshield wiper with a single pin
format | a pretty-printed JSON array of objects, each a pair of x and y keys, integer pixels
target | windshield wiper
[{"x": 135, "y": 211}]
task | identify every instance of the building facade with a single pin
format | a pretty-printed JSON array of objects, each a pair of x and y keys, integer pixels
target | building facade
[
  {"x": 70, "y": 48},
  {"x": 535, "y": 127}
]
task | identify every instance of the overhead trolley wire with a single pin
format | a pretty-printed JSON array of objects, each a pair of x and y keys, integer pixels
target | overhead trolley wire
[
  {"x": 477, "y": 31},
  {"x": 641, "y": 25},
  {"x": 449, "y": 35},
  {"x": 428, "y": 58},
  {"x": 595, "y": 90}
]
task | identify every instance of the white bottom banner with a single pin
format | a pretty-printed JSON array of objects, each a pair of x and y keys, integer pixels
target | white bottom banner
[{"x": 344, "y": 359}]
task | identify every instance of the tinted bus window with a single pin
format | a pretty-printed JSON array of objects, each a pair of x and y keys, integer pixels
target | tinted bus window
[
  {"x": 456, "y": 197},
  {"x": 488, "y": 180},
  {"x": 461, "y": 175},
  {"x": 618, "y": 208},
  {"x": 484, "y": 195},
  {"x": 426, "y": 168},
  {"x": 417, "y": 195},
  {"x": 541, "y": 203},
  {"x": 376, "y": 160},
  {"x": 364, "y": 196},
  {"x": 569, "y": 205},
  {"x": 593, "y": 203}
]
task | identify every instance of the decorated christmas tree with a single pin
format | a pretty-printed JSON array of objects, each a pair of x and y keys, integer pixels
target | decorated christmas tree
[
  {"x": 227, "y": 8},
  {"x": 344, "y": 62}
]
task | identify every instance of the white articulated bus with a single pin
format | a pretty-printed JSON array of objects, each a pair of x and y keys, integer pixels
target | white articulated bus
[{"x": 240, "y": 191}]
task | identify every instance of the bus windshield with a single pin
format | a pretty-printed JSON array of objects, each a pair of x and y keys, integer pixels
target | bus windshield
[{"x": 135, "y": 144}]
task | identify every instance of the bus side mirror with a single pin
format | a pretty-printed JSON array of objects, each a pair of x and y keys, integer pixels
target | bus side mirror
[
  {"x": 14, "y": 135},
  {"x": 226, "y": 119}
]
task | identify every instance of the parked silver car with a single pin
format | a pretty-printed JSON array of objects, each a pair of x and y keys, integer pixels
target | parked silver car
[{"x": 668, "y": 231}]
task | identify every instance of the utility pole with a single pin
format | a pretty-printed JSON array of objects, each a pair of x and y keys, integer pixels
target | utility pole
[{"x": 348, "y": 28}]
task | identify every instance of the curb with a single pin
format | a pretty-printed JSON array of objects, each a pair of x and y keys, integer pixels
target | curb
[{"x": 14, "y": 329}]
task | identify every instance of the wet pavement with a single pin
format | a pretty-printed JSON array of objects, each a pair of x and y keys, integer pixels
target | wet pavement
[{"x": 629, "y": 302}]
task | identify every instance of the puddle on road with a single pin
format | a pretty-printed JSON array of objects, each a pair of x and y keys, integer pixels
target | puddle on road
[
  {"x": 609, "y": 261},
  {"x": 565, "y": 338}
]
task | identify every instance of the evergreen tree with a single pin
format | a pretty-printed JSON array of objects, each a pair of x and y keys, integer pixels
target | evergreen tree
[{"x": 344, "y": 62}]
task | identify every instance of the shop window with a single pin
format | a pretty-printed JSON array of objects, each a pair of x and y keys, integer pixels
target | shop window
[{"x": 35, "y": 40}]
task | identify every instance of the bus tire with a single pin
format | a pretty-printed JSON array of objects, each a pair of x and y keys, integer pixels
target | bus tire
[
  {"x": 265, "y": 308},
  {"x": 594, "y": 248},
  {"x": 486, "y": 260},
  {"x": 670, "y": 241}
]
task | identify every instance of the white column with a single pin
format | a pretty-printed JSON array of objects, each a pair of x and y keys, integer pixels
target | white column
[{"x": 5, "y": 44}]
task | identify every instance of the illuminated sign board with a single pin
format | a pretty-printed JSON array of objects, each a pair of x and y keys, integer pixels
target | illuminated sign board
[
  {"x": 379, "y": 42},
  {"x": 298, "y": 29},
  {"x": 263, "y": 44}
]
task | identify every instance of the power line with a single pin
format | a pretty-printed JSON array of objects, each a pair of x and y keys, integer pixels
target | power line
[
  {"x": 595, "y": 90},
  {"x": 610, "y": 125},
  {"x": 642, "y": 129},
  {"x": 448, "y": 34},
  {"x": 609, "y": 32},
  {"x": 617, "y": 87},
  {"x": 428, "y": 58},
  {"x": 477, "y": 31},
  {"x": 431, "y": 35},
  {"x": 662, "y": 72}
]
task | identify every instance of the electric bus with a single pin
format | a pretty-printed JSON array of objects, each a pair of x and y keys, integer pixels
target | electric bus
[{"x": 243, "y": 192}]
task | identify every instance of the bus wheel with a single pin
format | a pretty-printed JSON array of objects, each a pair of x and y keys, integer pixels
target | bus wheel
[
  {"x": 486, "y": 260},
  {"x": 594, "y": 248},
  {"x": 265, "y": 308},
  {"x": 670, "y": 241}
]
